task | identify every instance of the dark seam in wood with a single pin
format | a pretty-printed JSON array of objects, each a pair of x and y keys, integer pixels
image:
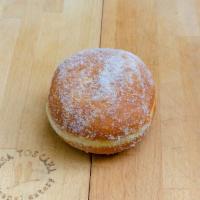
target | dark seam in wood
[
  {"x": 101, "y": 22},
  {"x": 91, "y": 157},
  {"x": 90, "y": 177}
]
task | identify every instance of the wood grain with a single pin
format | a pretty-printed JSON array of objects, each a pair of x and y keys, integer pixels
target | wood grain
[
  {"x": 128, "y": 175},
  {"x": 165, "y": 34},
  {"x": 34, "y": 39},
  {"x": 35, "y": 35}
]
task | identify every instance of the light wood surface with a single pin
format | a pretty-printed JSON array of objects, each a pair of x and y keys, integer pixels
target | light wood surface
[{"x": 35, "y": 35}]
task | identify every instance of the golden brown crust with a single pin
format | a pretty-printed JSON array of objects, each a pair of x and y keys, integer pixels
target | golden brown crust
[
  {"x": 99, "y": 146},
  {"x": 74, "y": 95}
]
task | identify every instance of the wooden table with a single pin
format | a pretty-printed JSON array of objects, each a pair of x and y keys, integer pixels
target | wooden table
[{"x": 36, "y": 164}]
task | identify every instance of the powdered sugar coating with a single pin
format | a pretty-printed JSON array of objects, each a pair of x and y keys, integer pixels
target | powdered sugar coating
[{"x": 104, "y": 93}]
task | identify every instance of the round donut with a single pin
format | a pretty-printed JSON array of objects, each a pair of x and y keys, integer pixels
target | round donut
[{"x": 101, "y": 100}]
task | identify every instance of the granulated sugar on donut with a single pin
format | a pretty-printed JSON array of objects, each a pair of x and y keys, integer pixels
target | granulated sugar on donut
[{"x": 103, "y": 97}]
